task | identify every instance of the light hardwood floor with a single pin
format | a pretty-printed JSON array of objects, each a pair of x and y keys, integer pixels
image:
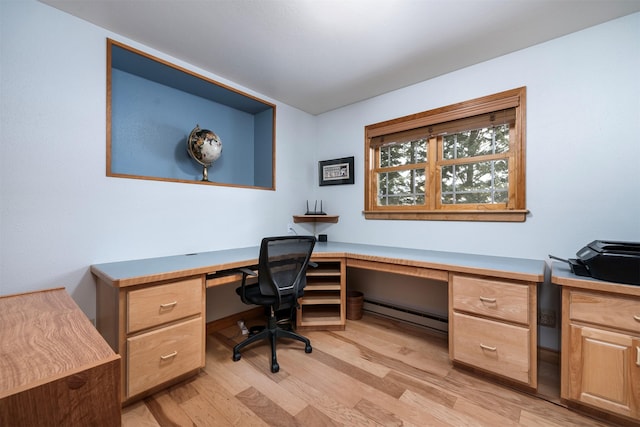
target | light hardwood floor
[{"x": 377, "y": 372}]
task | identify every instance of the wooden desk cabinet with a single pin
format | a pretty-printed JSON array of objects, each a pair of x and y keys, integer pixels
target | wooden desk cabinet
[
  {"x": 493, "y": 326},
  {"x": 55, "y": 369},
  {"x": 158, "y": 329},
  {"x": 600, "y": 344},
  {"x": 601, "y": 351}
]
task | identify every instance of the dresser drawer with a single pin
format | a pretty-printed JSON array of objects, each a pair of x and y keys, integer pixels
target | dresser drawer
[
  {"x": 160, "y": 304},
  {"x": 493, "y": 346},
  {"x": 163, "y": 354},
  {"x": 493, "y": 298},
  {"x": 608, "y": 311}
]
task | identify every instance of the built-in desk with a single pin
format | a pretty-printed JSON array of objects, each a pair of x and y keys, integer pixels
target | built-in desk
[
  {"x": 454, "y": 262},
  {"x": 492, "y": 307}
]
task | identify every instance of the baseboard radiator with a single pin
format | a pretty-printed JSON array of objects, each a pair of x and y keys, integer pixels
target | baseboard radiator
[{"x": 435, "y": 322}]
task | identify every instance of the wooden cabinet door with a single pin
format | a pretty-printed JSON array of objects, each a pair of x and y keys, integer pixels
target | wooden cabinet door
[{"x": 604, "y": 370}]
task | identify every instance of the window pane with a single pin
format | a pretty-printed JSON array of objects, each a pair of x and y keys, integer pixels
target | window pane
[
  {"x": 478, "y": 198},
  {"x": 402, "y": 201},
  {"x": 479, "y": 182},
  {"x": 478, "y": 142},
  {"x": 401, "y": 188},
  {"x": 403, "y": 153}
]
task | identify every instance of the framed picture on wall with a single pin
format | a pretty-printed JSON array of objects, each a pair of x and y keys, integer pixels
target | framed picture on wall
[{"x": 336, "y": 171}]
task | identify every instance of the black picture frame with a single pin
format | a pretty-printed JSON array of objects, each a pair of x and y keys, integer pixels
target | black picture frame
[{"x": 336, "y": 171}]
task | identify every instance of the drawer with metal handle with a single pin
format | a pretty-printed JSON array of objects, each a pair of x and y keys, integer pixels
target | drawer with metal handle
[
  {"x": 157, "y": 305},
  {"x": 163, "y": 354}
]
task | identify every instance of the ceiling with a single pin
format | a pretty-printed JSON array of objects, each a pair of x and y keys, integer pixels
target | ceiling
[{"x": 318, "y": 55}]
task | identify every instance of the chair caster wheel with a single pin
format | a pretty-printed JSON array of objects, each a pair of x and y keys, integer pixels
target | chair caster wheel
[
  {"x": 308, "y": 349},
  {"x": 236, "y": 357},
  {"x": 275, "y": 368}
]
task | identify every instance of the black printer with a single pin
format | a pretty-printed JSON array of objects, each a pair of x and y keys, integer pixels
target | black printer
[{"x": 611, "y": 261}]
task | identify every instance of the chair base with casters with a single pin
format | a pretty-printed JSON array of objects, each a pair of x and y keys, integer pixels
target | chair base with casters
[{"x": 271, "y": 332}]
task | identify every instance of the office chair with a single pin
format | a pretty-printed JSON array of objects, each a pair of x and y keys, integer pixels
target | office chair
[{"x": 281, "y": 280}]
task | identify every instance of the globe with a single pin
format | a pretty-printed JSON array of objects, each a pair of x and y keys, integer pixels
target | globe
[{"x": 205, "y": 147}]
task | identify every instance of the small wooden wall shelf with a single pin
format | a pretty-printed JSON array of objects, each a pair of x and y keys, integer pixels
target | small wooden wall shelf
[{"x": 316, "y": 218}]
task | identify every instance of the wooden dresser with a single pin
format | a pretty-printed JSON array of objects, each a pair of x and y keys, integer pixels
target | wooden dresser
[{"x": 55, "y": 368}]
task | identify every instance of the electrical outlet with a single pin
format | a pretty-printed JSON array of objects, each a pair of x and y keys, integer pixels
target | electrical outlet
[
  {"x": 547, "y": 318},
  {"x": 290, "y": 229}
]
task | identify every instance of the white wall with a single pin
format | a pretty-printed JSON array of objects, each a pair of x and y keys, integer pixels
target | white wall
[
  {"x": 583, "y": 147},
  {"x": 583, "y": 150},
  {"x": 59, "y": 213}
]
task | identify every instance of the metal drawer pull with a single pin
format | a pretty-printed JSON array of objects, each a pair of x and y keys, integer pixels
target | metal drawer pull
[
  {"x": 169, "y": 356},
  {"x": 489, "y": 300},
  {"x": 637, "y": 356},
  {"x": 168, "y": 305},
  {"x": 637, "y": 318},
  {"x": 486, "y": 347}
]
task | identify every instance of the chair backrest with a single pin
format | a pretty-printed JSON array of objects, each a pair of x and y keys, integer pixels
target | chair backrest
[{"x": 283, "y": 265}]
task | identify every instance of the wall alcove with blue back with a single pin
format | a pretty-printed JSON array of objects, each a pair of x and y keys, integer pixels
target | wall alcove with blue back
[{"x": 153, "y": 105}]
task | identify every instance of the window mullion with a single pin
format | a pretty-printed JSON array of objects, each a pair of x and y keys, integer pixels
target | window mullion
[
  {"x": 493, "y": 181},
  {"x": 432, "y": 184}
]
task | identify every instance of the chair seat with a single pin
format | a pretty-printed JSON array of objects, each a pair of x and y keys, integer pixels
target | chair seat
[{"x": 253, "y": 295}]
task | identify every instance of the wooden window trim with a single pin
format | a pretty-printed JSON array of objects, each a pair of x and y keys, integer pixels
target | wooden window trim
[{"x": 516, "y": 207}]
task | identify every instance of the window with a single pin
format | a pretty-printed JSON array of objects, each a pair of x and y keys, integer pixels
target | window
[{"x": 460, "y": 162}]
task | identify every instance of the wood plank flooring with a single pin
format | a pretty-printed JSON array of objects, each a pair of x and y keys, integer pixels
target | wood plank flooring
[{"x": 377, "y": 372}]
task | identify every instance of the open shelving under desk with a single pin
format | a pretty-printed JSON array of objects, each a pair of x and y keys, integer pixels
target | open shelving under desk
[
  {"x": 321, "y": 316},
  {"x": 322, "y": 286}
]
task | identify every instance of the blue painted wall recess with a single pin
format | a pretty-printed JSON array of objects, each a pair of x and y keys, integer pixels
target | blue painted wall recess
[{"x": 154, "y": 105}]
